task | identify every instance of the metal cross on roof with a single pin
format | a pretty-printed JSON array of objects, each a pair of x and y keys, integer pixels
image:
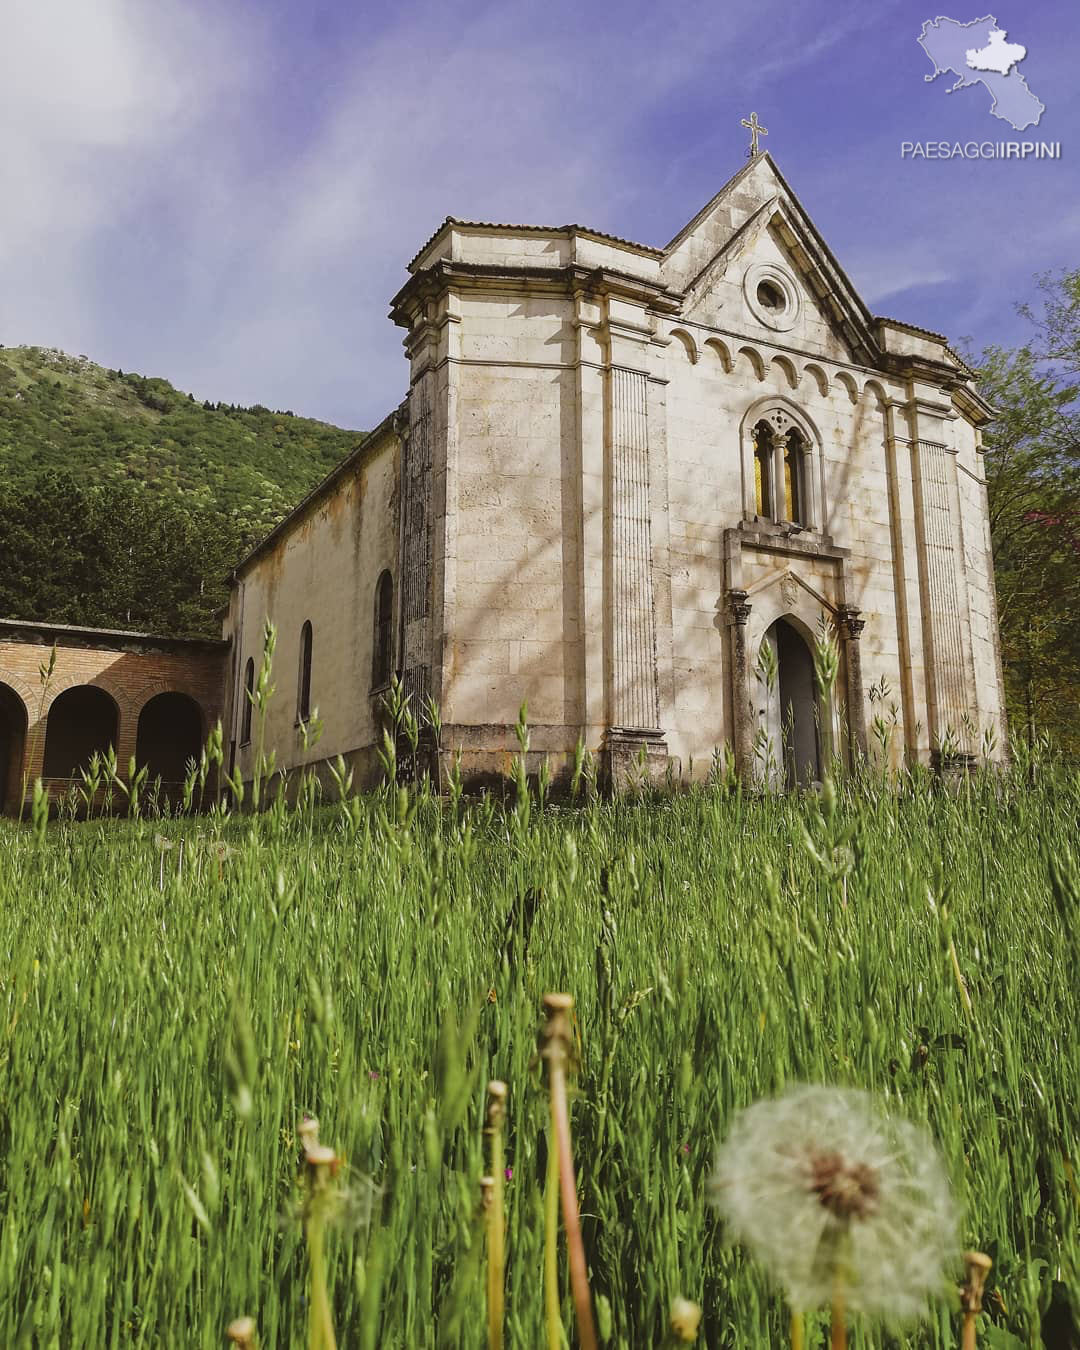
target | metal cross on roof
[{"x": 756, "y": 129}]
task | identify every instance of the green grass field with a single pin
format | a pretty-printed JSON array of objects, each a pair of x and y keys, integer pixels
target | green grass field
[{"x": 172, "y": 1007}]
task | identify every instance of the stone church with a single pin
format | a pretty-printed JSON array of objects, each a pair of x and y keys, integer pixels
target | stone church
[
  {"x": 629, "y": 486},
  {"x": 618, "y": 473}
]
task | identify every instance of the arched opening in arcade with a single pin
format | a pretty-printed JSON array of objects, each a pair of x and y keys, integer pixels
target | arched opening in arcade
[
  {"x": 12, "y": 748},
  {"x": 170, "y": 734},
  {"x": 82, "y": 721}
]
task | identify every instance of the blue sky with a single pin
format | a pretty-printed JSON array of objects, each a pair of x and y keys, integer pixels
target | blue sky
[{"x": 228, "y": 195}]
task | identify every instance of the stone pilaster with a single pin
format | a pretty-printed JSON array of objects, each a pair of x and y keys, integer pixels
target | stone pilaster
[
  {"x": 851, "y": 626},
  {"x": 739, "y": 611},
  {"x": 632, "y": 683},
  {"x": 633, "y": 689},
  {"x": 416, "y": 544},
  {"x": 946, "y": 668}
]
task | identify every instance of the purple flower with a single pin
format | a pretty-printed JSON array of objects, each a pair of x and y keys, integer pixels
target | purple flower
[{"x": 509, "y": 1173}]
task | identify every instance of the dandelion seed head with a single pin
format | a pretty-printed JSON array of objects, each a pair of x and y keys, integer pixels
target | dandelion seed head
[
  {"x": 685, "y": 1319},
  {"x": 824, "y": 1187}
]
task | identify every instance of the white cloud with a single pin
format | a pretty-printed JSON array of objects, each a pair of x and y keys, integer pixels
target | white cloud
[
  {"x": 94, "y": 99},
  {"x": 185, "y": 195}
]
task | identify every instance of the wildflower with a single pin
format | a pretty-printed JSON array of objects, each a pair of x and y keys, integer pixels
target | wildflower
[
  {"x": 841, "y": 1203},
  {"x": 508, "y": 1173}
]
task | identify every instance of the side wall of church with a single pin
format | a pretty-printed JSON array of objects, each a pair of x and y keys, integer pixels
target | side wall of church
[{"x": 323, "y": 570}]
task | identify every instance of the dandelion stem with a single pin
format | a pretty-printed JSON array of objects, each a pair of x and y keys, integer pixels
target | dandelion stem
[
  {"x": 557, "y": 1039},
  {"x": 552, "y": 1318},
  {"x": 496, "y": 1114},
  {"x": 321, "y": 1324},
  {"x": 838, "y": 1338},
  {"x": 978, "y": 1266},
  {"x": 321, "y": 1164},
  {"x": 796, "y": 1331}
]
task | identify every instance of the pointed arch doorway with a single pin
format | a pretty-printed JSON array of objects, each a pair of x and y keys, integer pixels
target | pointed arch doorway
[{"x": 793, "y": 714}]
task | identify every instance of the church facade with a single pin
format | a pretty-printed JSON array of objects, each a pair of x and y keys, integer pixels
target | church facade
[{"x": 635, "y": 488}]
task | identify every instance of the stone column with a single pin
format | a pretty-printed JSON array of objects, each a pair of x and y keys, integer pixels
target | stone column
[
  {"x": 779, "y": 484},
  {"x": 851, "y": 626},
  {"x": 739, "y": 608}
]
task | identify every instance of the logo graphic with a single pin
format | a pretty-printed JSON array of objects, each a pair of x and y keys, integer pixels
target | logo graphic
[{"x": 978, "y": 53}]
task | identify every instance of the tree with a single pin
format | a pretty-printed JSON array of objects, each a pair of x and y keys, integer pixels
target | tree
[
  {"x": 115, "y": 556},
  {"x": 1033, "y": 487}
]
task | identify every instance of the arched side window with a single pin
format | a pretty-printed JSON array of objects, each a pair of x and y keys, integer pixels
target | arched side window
[
  {"x": 383, "y": 647},
  {"x": 782, "y": 463},
  {"x": 303, "y": 683},
  {"x": 249, "y": 689}
]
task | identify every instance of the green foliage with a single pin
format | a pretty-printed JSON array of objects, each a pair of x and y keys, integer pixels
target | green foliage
[
  {"x": 113, "y": 556},
  {"x": 185, "y": 486},
  {"x": 178, "y": 994},
  {"x": 1033, "y": 487}
]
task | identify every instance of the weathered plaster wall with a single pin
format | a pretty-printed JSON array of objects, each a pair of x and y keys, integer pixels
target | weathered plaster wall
[{"x": 323, "y": 569}]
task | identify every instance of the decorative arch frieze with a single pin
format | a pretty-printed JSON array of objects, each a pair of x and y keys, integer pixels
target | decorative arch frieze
[
  {"x": 686, "y": 341},
  {"x": 787, "y": 368},
  {"x": 721, "y": 351},
  {"x": 754, "y": 360},
  {"x": 818, "y": 375}
]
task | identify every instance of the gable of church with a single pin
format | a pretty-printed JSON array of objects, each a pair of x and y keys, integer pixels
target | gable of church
[{"x": 752, "y": 263}]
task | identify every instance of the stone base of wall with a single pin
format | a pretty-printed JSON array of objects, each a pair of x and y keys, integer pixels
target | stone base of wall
[
  {"x": 634, "y": 758},
  {"x": 953, "y": 764}
]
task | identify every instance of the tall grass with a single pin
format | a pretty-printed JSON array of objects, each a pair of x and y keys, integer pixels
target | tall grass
[{"x": 169, "y": 1014}]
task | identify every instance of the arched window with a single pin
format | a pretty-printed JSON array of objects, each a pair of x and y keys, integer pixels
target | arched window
[
  {"x": 780, "y": 457},
  {"x": 383, "y": 648},
  {"x": 763, "y": 468},
  {"x": 249, "y": 689},
  {"x": 303, "y": 683}
]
